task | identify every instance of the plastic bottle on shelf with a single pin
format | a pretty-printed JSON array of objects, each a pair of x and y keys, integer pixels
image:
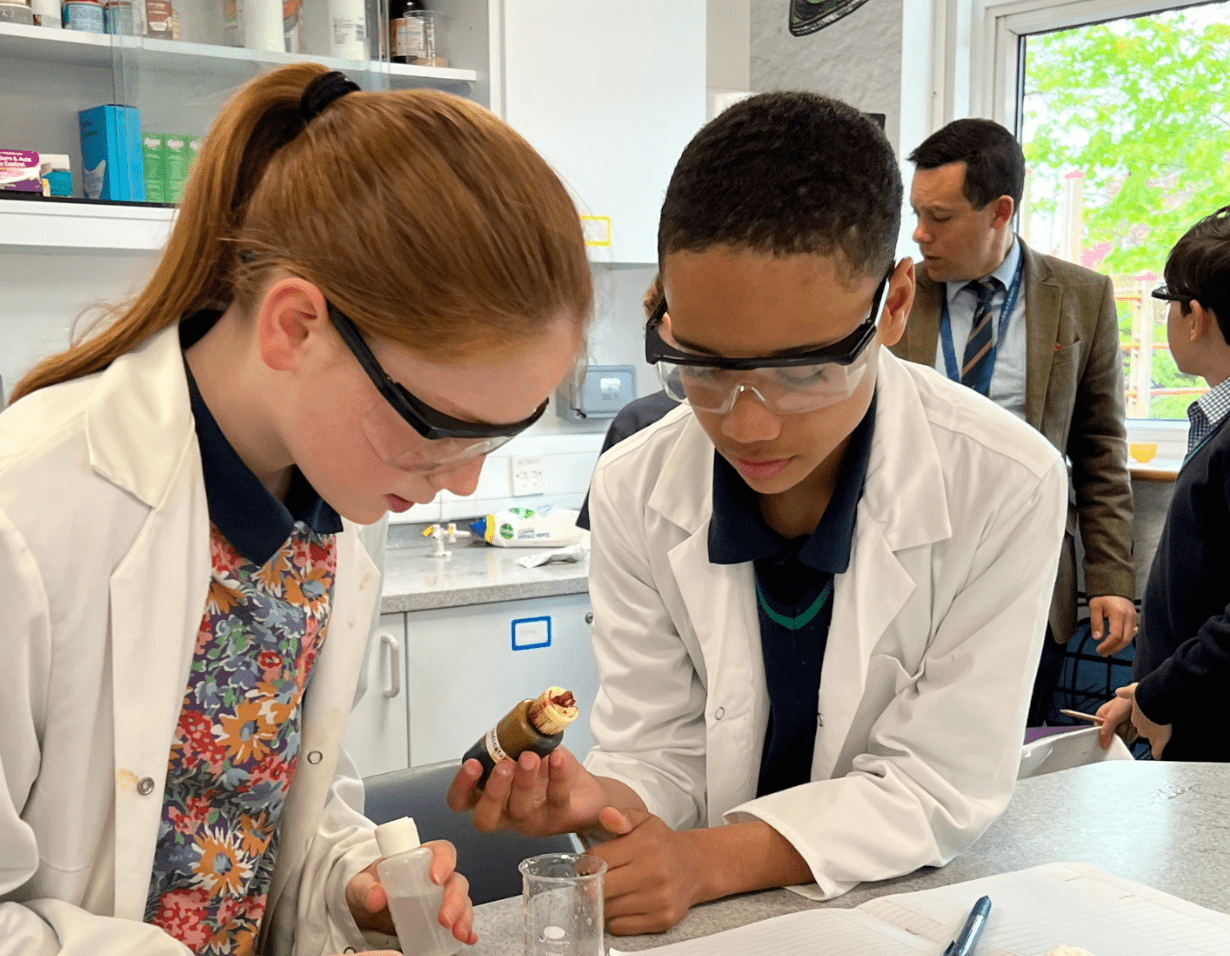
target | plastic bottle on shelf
[
  {"x": 414, "y": 900},
  {"x": 83, "y": 15},
  {"x": 232, "y": 22},
  {"x": 262, "y": 25},
  {"x": 47, "y": 14},
  {"x": 292, "y": 26},
  {"x": 348, "y": 29},
  {"x": 16, "y": 11}
]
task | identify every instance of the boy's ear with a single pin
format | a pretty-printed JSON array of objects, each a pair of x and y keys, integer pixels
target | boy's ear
[
  {"x": 898, "y": 300},
  {"x": 1203, "y": 321}
]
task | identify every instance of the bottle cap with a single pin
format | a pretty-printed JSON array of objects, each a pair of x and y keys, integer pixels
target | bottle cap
[
  {"x": 397, "y": 836},
  {"x": 553, "y": 710}
]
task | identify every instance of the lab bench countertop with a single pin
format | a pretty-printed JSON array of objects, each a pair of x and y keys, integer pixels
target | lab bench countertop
[{"x": 474, "y": 573}]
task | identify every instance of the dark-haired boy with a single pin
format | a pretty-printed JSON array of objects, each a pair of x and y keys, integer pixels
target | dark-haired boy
[
  {"x": 820, "y": 585},
  {"x": 1182, "y": 660},
  {"x": 1040, "y": 337}
]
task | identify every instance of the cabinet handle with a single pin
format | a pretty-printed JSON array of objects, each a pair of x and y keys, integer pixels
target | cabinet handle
[
  {"x": 589, "y": 617},
  {"x": 389, "y": 641}
]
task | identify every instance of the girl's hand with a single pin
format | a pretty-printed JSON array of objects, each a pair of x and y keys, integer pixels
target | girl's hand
[
  {"x": 533, "y": 795},
  {"x": 369, "y": 905}
]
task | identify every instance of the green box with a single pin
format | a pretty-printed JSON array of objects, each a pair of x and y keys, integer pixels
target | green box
[
  {"x": 178, "y": 159},
  {"x": 153, "y": 153}
]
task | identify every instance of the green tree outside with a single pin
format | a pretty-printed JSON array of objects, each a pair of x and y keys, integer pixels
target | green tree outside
[{"x": 1141, "y": 107}]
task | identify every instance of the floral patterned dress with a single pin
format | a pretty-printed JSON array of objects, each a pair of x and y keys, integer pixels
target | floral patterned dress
[{"x": 237, "y": 742}]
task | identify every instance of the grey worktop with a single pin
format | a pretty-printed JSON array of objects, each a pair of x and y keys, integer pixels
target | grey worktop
[
  {"x": 1166, "y": 825},
  {"x": 474, "y": 573}
]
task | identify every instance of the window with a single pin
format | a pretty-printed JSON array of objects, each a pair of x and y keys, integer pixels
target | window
[{"x": 1126, "y": 130}]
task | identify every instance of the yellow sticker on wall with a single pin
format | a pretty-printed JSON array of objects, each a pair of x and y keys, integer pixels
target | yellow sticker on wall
[{"x": 597, "y": 230}]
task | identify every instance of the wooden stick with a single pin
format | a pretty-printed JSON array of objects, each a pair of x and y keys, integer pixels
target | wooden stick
[{"x": 1092, "y": 718}]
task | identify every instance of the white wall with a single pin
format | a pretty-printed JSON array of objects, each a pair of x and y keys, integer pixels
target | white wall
[{"x": 42, "y": 294}]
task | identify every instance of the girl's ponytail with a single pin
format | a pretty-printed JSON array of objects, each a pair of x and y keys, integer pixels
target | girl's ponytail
[{"x": 197, "y": 267}]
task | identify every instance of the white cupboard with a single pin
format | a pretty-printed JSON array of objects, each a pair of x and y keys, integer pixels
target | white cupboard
[{"x": 462, "y": 669}]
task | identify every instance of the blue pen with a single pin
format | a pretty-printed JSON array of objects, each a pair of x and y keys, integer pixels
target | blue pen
[{"x": 963, "y": 945}]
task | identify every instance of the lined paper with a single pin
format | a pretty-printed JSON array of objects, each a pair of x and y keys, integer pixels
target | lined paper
[
  {"x": 1069, "y": 904},
  {"x": 1032, "y": 912}
]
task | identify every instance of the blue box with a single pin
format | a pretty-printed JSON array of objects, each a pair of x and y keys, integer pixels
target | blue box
[{"x": 112, "y": 164}]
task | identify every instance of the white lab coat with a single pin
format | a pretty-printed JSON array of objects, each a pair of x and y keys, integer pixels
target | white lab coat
[
  {"x": 104, "y": 569},
  {"x": 936, "y": 631}
]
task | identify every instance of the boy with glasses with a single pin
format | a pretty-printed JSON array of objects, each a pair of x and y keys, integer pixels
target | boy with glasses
[
  {"x": 1182, "y": 656},
  {"x": 820, "y": 589}
]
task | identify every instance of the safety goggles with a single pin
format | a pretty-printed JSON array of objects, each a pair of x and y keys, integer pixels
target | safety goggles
[
  {"x": 786, "y": 384},
  {"x": 1166, "y": 294},
  {"x": 408, "y": 433}
]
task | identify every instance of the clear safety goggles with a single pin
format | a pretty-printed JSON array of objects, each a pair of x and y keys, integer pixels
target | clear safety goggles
[
  {"x": 409, "y": 434},
  {"x": 786, "y": 384}
]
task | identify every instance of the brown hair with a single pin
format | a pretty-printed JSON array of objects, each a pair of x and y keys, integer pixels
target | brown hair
[{"x": 417, "y": 213}]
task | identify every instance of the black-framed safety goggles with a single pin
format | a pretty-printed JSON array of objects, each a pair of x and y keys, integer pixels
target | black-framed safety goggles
[
  {"x": 431, "y": 423},
  {"x": 1166, "y": 294},
  {"x": 844, "y": 352}
]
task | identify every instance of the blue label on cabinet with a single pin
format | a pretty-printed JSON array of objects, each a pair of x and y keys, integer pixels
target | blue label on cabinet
[{"x": 531, "y": 632}]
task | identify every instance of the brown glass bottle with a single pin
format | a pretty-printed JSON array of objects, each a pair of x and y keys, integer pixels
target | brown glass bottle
[
  {"x": 398, "y": 40},
  {"x": 536, "y": 725}
]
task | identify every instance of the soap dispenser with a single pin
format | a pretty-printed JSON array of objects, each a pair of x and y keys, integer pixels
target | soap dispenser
[{"x": 414, "y": 900}]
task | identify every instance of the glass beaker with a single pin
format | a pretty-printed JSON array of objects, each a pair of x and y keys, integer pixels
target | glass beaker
[{"x": 562, "y": 893}]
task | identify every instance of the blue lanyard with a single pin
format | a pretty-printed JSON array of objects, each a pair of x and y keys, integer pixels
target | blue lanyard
[{"x": 1005, "y": 313}]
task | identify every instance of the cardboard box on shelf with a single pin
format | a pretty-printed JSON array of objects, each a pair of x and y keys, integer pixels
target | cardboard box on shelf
[
  {"x": 112, "y": 164},
  {"x": 154, "y": 157},
  {"x": 178, "y": 160},
  {"x": 19, "y": 171}
]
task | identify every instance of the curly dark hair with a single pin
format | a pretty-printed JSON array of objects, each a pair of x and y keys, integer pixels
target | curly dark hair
[{"x": 787, "y": 173}]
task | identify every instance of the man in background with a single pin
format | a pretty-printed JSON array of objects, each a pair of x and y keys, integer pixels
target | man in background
[{"x": 1040, "y": 337}]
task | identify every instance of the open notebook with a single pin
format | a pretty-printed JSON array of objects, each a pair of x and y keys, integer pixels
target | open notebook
[{"x": 1032, "y": 912}]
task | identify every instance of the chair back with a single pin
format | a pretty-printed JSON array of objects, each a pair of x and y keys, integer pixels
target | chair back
[{"x": 488, "y": 860}]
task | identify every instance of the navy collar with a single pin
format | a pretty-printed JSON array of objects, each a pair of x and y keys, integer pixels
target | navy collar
[
  {"x": 253, "y": 520},
  {"x": 739, "y": 533}
]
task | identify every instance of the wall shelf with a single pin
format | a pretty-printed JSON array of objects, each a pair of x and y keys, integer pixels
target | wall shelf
[
  {"x": 72, "y": 47},
  {"x": 102, "y": 228}
]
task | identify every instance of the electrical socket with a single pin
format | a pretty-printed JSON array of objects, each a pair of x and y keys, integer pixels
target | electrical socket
[{"x": 527, "y": 475}]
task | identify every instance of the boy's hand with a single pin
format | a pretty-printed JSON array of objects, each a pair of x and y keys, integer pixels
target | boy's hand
[
  {"x": 1115, "y": 713},
  {"x": 532, "y": 795},
  {"x": 369, "y": 905},
  {"x": 654, "y": 874},
  {"x": 1158, "y": 735}
]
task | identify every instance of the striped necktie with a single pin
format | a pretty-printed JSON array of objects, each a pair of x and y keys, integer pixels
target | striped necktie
[{"x": 975, "y": 366}]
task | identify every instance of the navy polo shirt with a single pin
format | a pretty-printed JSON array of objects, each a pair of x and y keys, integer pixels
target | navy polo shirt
[
  {"x": 247, "y": 513},
  {"x": 794, "y": 585}
]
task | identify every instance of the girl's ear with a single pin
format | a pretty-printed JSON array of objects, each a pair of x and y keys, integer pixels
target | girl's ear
[
  {"x": 289, "y": 323},
  {"x": 898, "y": 300}
]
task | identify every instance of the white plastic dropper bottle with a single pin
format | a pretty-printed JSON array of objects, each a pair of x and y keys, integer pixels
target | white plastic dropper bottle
[{"x": 414, "y": 901}]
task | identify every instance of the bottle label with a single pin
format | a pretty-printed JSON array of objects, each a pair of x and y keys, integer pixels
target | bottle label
[
  {"x": 408, "y": 39},
  {"x": 493, "y": 746},
  {"x": 349, "y": 30}
]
